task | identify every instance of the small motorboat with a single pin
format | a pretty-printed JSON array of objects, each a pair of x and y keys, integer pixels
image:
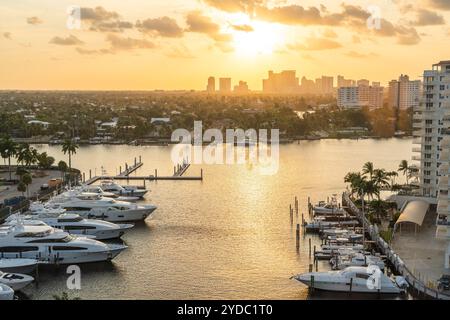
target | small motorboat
[
  {"x": 6, "y": 293},
  {"x": 323, "y": 208},
  {"x": 317, "y": 225},
  {"x": 129, "y": 191},
  {"x": 352, "y": 279},
  {"x": 340, "y": 262},
  {"x": 26, "y": 266},
  {"x": 15, "y": 281}
]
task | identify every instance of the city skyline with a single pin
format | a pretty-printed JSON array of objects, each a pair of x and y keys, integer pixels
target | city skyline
[{"x": 146, "y": 45}]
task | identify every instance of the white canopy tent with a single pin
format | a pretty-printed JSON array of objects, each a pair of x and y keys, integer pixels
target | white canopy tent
[{"x": 414, "y": 212}]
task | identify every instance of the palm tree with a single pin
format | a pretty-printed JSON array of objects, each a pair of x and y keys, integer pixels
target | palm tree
[
  {"x": 403, "y": 167},
  {"x": 69, "y": 146},
  {"x": 392, "y": 175},
  {"x": 368, "y": 169},
  {"x": 355, "y": 179},
  {"x": 380, "y": 180},
  {"x": 8, "y": 149}
]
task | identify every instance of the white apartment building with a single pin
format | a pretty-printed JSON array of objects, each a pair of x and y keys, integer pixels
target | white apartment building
[
  {"x": 361, "y": 96},
  {"x": 432, "y": 133},
  {"x": 404, "y": 94}
]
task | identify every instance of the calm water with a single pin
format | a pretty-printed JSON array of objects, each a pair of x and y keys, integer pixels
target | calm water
[{"x": 226, "y": 237}]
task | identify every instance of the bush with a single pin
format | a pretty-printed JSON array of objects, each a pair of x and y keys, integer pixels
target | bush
[{"x": 386, "y": 235}]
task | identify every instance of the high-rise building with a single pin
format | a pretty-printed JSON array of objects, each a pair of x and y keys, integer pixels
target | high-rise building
[
  {"x": 242, "y": 88},
  {"x": 342, "y": 82},
  {"x": 211, "y": 88},
  {"x": 225, "y": 85},
  {"x": 432, "y": 132},
  {"x": 307, "y": 86},
  {"x": 403, "y": 93},
  {"x": 363, "y": 83},
  {"x": 360, "y": 96},
  {"x": 327, "y": 84},
  {"x": 284, "y": 82}
]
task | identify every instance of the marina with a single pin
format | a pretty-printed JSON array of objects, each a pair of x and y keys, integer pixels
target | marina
[{"x": 215, "y": 238}]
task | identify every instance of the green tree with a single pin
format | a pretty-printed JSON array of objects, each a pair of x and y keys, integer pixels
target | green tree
[
  {"x": 403, "y": 167},
  {"x": 45, "y": 161},
  {"x": 21, "y": 187},
  {"x": 27, "y": 180},
  {"x": 69, "y": 147},
  {"x": 368, "y": 169},
  {"x": 8, "y": 149}
]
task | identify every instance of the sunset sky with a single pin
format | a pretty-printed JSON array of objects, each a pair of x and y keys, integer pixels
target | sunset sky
[{"x": 177, "y": 44}]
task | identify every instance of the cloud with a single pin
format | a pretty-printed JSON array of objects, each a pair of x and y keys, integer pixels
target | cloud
[
  {"x": 359, "y": 55},
  {"x": 428, "y": 18},
  {"x": 197, "y": 22},
  {"x": 242, "y": 27},
  {"x": 234, "y": 5},
  {"x": 102, "y": 20},
  {"x": 98, "y": 14},
  {"x": 68, "y": 41},
  {"x": 7, "y": 35},
  {"x": 356, "y": 39},
  {"x": 93, "y": 52},
  {"x": 352, "y": 17},
  {"x": 34, "y": 20},
  {"x": 315, "y": 44},
  {"x": 163, "y": 26},
  {"x": 127, "y": 43},
  {"x": 439, "y": 4}
]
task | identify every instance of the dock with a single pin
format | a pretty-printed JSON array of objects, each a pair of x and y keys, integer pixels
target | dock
[
  {"x": 178, "y": 174},
  {"x": 417, "y": 285}
]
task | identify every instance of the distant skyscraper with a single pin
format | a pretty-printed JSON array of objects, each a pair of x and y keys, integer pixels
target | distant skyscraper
[
  {"x": 342, "y": 82},
  {"x": 403, "y": 93},
  {"x": 327, "y": 85},
  {"x": 284, "y": 82},
  {"x": 241, "y": 88},
  {"x": 225, "y": 85},
  {"x": 211, "y": 88}
]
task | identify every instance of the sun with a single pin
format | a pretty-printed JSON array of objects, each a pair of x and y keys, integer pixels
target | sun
[{"x": 259, "y": 38}]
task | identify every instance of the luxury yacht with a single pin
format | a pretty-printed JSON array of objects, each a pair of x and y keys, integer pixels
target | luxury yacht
[
  {"x": 71, "y": 223},
  {"x": 100, "y": 191},
  {"x": 113, "y": 187},
  {"x": 94, "y": 206},
  {"x": 15, "y": 281},
  {"x": 18, "y": 265},
  {"x": 351, "y": 279},
  {"x": 6, "y": 293},
  {"x": 51, "y": 245}
]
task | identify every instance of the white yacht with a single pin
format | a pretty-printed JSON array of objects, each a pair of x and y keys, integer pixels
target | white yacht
[
  {"x": 319, "y": 225},
  {"x": 72, "y": 223},
  {"x": 100, "y": 191},
  {"x": 343, "y": 261},
  {"x": 94, "y": 206},
  {"x": 6, "y": 293},
  {"x": 15, "y": 281},
  {"x": 351, "y": 279},
  {"x": 50, "y": 245},
  {"x": 113, "y": 187},
  {"x": 323, "y": 208},
  {"x": 26, "y": 266}
]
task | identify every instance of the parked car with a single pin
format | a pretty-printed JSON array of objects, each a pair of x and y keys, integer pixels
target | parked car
[
  {"x": 45, "y": 186},
  {"x": 444, "y": 282},
  {"x": 54, "y": 183}
]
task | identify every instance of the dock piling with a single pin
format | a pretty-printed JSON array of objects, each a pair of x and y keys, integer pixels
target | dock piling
[
  {"x": 309, "y": 247},
  {"x": 297, "y": 237}
]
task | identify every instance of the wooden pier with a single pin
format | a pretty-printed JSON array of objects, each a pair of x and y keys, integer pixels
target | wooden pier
[{"x": 178, "y": 172}]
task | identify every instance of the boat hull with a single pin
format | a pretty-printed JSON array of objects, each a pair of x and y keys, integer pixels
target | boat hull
[
  {"x": 345, "y": 287},
  {"x": 25, "y": 268}
]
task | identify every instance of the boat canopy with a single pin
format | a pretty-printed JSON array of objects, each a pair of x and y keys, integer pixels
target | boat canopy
[{"x": 414, "y": 212}]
